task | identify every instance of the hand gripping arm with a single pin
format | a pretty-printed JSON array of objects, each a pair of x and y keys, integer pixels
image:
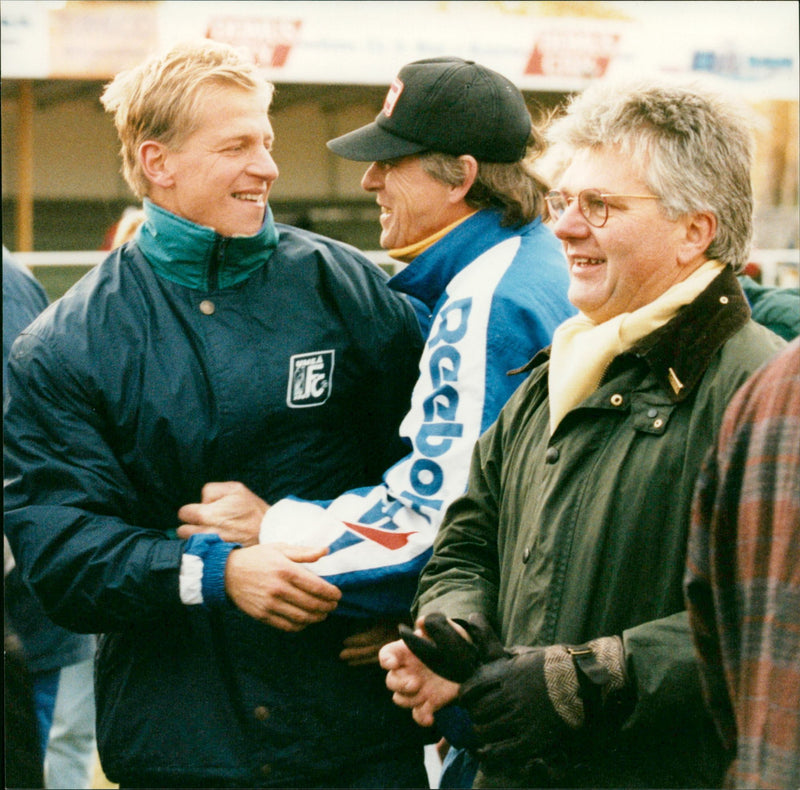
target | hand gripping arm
[{"x": 522, "y": 701}]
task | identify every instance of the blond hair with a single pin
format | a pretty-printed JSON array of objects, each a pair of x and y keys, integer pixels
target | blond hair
[{"x": 158, "y": 100}]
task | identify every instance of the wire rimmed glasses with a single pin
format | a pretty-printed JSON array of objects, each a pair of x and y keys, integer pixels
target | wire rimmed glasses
[{"x": 592, "y": 203}]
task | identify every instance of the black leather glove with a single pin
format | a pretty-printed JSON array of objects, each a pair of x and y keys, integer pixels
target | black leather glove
[
  {"x": 454, "y": 658},
  {"x": 526, "y": 703},
  {"x": 524, "y": 700},
  {"x": 446, "y": 652}
]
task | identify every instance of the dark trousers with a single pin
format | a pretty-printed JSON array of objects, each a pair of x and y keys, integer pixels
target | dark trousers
[{"x": 404, "y": 769}]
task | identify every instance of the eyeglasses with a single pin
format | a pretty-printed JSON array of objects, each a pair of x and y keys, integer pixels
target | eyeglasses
[{"x": 592, "y": 203}]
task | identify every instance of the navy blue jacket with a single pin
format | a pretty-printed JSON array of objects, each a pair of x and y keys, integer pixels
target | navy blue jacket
[
  {"x": 282, "y": 361},
  {"x": 46, "y": 645}
]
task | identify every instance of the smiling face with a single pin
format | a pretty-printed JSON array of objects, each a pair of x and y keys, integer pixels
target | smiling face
[
  {"x": 635, "y": 257},
  {"x": 414, "y": 205},
  {"x": 221, "y": 175}
]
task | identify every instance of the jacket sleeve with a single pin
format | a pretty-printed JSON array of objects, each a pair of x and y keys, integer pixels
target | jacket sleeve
[
  {"x": 380, "y": 538},
  {"x": 663, "y": 668},
  {"x": 463, "y": 575},
  {"x": 668, "y": 705},
  {"x": 71, "y": 512}
]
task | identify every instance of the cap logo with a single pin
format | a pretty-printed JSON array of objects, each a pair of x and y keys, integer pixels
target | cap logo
[{"x": 395, "y": 89}]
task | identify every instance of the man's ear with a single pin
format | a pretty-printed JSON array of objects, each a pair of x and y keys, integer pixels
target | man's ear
[
  {"x": 700, "y": 230},
  {"x": 470, "y": 167},
  {"x": 154, "y": 158}
]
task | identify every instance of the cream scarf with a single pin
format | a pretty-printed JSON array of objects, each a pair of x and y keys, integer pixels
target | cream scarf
[{"x": 582, "y": 350}]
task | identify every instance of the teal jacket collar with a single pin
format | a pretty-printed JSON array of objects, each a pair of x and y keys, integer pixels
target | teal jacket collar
[{"x": 198, "y": 257}]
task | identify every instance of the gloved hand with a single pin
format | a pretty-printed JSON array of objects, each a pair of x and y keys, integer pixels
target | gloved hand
[
  {"x": 449, "y": 655},
  {"x": 446, "y": 652},
  {"x": 526, "y": 702},
  {"x": 523, "y": 700}
]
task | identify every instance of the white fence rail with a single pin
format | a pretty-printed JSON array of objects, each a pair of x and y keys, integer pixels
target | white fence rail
[
  {"x": 778, "y": 267},
  {"x": 91, "y": 258}
]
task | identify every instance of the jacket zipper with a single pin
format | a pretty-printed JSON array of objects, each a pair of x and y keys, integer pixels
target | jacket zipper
[{"x": 217, "y": 258}]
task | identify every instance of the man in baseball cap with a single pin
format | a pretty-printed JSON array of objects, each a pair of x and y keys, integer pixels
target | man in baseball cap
[
  {"x": 444, "y": 104},
  {"x": 451, "y": 167}
]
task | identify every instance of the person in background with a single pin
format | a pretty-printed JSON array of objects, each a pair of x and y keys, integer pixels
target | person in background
[
  {"x": 564, "y": 560},
  {"x": 122, "y": 228},
  {"x": 743, "y": 577},
  {"x": 452, "y": 167},
  {"x": 22, "y": 749},
  {"x": 216, "y": 343},
  {"x": 126, "y": 228},
  {"x": 23, "y": 744},
  {"x": 59, "y": 662},
  {"x": 776, "y": 308}
]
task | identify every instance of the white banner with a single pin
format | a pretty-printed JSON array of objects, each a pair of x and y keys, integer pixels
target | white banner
[{"x": 541, "y": 46}]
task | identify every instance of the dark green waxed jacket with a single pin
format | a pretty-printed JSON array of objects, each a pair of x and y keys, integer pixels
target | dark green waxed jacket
[{"x": 582, "y": 534}]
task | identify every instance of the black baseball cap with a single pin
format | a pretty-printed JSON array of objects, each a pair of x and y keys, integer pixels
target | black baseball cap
[{"x": 448, "y": 105}]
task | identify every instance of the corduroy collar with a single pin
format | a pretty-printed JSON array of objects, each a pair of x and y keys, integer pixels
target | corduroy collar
[{"x": 679, "y": 352}]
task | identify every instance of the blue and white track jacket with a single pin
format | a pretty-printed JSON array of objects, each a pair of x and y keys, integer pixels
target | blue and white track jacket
[{"x": 494, "y": 295}]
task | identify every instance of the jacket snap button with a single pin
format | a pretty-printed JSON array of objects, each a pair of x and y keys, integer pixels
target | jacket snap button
[
  {"x": 207, "y": 307},
  {"x": 261, "y": 713},
  {"x": 652, "y": 412},
  {"x": 616, "y": 400},
  {"x": 723, "y": 300},
  {"x": 526, "y": 555},
  {"x": 658, "y": 423},
  {"x": 551, "y": 456}
]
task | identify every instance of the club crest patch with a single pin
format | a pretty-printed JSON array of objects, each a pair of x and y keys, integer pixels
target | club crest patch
[{"x": 310, "y": 379}]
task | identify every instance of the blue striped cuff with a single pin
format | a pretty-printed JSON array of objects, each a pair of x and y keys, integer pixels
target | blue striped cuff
[{"x": 213, "y": 552}]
